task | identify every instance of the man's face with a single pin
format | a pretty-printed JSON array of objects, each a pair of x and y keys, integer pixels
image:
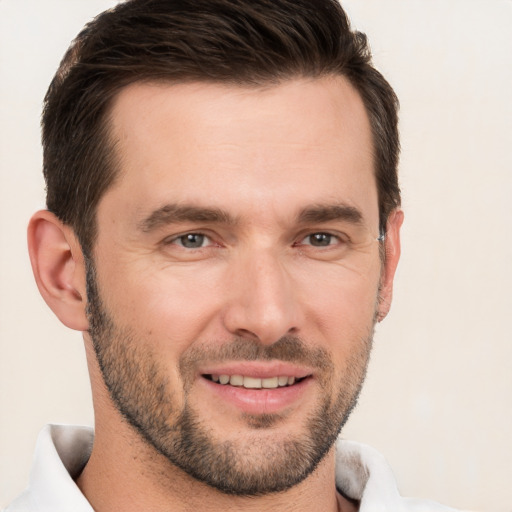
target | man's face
[{"x": 238, "y": 245}]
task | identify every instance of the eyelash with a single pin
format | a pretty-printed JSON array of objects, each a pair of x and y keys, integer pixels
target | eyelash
[
  {"x": 342, "y": 239},
  {"x": 174, "y": 239},
  {"x": 339, "y": 238}
]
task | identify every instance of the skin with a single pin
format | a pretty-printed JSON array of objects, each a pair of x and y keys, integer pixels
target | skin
[{"x": 261, "y": 156}]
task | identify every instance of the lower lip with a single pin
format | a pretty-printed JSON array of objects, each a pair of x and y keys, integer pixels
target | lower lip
[{"x": 259, "y": 401}]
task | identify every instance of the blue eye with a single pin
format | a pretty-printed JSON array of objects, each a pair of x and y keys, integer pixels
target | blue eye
[{"x": 192, "y": 240}]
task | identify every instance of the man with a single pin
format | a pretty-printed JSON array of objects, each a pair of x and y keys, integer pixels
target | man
[{"x": 223, "y": 226}]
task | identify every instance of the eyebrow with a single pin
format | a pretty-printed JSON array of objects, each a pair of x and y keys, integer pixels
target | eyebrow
[
  {"x": 174, "y": 213},
  {"x": 330, "y": 212}
]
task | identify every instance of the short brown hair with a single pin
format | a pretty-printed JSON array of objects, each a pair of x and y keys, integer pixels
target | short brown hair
[{"x": 242, "y": 42}]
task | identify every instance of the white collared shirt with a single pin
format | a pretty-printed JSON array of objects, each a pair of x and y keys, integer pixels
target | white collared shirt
[{"x": 62, "y": 452}]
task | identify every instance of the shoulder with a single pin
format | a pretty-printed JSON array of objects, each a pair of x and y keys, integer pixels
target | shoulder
[{"x": 363, "y": 474}]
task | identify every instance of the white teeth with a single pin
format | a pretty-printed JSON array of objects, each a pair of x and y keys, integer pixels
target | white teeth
[
  {"x": 282, "y": 381},
  {"x": 236, "y": 380},
  {"x": 253, "y": 382},
  {"x": 269, "y": 383}
]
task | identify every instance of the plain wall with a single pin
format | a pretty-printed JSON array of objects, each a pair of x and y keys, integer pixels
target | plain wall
[{"x": 438, "y": 397}]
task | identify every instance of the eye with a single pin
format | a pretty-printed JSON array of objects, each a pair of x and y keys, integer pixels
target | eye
[
  {"x": 191, "y": 241},
  {"x": 321, "y": 240}
]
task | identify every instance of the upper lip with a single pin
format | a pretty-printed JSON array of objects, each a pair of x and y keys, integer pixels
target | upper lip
[{"x": 257, "y": 369}]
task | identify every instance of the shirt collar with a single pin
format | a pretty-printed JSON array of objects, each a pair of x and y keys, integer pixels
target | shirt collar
[{"x": 61, "y": 454}]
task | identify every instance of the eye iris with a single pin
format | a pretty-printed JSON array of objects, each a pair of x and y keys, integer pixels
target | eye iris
[
  {"x": 320, "y": 239},
  {"x": 192, "y": 241}
]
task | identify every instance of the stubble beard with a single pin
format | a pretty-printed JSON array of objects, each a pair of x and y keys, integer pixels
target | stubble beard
[{"x": 140, "y": 390}]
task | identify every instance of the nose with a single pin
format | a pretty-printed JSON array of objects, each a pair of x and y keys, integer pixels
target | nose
[{"x": 262, "y": 301}]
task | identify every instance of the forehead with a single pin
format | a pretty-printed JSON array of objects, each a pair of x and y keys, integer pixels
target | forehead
[{"x": 303, "y": 141}]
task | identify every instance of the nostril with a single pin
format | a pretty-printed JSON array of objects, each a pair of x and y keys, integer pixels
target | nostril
[{"x": 246, "y": 334}]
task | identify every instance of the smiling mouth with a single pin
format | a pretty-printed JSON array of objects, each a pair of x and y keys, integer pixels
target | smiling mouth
[{"x": 242, "y": 381}]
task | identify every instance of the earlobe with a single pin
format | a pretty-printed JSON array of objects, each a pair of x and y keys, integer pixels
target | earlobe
[
  {"x": 392, "y": 255},
  {"x": 58, "y": 266}
]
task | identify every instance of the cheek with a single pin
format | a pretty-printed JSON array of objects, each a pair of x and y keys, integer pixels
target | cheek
[
  {"x": 171, "y": 306},
  {"x": 175, "y": 305},
  {"x": 342, "y": 301}
]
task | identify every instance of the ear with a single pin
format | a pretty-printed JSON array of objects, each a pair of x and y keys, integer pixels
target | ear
[
  {"x": 392, "y": 255},
  {"x": 59, "y": 269}
]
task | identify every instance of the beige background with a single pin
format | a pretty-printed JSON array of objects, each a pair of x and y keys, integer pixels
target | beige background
[{"x": 438, "y": 398}]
